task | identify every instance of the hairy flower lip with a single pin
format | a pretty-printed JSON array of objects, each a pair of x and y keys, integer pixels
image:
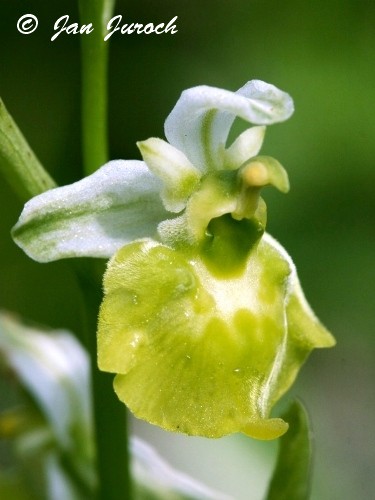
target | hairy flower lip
[{"x": 211, "y": 358}]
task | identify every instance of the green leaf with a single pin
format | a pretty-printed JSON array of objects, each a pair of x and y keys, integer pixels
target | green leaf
[
  {"x": 18, "y": 163},
  {"x": 93, "y": 217},
  {"x": 292, "y": 476}
]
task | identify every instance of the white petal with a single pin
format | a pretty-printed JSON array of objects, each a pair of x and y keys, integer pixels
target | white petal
[
  {"x": 54, "y": 368},
  {"x": 179, "y": 176},
  {"x": 246, "y": 146},
  {"x": 199, "y": 124},
  {"x": 158, "y": 478},
  {"x": 93, "y": 217}
]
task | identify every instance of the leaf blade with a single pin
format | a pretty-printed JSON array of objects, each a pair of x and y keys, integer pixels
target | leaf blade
[
  {"x": 18, "y": 164},
  {"x": 291, "y": 479}
]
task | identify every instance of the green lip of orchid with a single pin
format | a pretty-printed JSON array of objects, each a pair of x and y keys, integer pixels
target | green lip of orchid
[
  {"x": 205, "y": 325},
  {"x": 205, "y": 353}
]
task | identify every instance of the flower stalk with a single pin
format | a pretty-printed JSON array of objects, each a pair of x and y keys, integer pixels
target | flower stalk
[
  {"x": 94, "y": 83},
  {"x": 110, "y": 419},
  {"x": 109, "y": 415}
]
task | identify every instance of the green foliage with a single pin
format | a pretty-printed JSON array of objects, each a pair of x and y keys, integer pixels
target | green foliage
[
  {"x": 291, "y": 479},
  {"x": 18, "y": 164}
]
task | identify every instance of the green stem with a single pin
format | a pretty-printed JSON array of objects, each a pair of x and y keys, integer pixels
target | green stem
[
  {"x": 109, "y": 414},
  {"x": 18, "y": 163},
  {"x": 94, "y": 82}
]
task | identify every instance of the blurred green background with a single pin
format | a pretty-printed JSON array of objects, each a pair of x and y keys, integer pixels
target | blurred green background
[{"x": 323, "y": 54}]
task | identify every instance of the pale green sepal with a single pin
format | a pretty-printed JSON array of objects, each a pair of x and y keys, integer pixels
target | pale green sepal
[
  {"x": 179, "y": 176},
  {"x": 199, "y": 123},
  {"x": 246, "y": 146},
  {"x": 93, "y": 217}
]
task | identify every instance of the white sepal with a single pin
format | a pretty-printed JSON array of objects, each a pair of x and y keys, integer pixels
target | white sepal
[{"x": 93, "y": 217}]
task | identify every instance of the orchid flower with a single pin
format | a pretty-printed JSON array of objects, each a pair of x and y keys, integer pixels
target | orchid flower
[{"x": 203, "y": 319}]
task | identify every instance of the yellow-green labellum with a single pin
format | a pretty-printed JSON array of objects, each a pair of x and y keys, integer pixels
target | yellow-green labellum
[{"x": 200, "y": 353}]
